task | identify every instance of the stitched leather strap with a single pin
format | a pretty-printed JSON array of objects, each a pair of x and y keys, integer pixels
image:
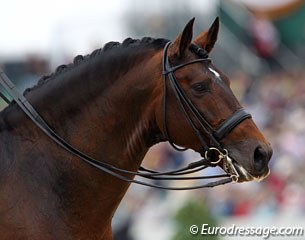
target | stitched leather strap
[{"x": 228, "y": 125}]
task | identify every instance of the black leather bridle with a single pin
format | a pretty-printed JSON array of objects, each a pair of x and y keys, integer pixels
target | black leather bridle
[
  {"x": 190, "y": 110},
  {"x": 187, "y": 107}
]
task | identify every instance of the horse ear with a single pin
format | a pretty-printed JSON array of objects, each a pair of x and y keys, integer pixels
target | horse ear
[
  {"x": 207, "y": 39},
  {"x": 183, "y": 40}
]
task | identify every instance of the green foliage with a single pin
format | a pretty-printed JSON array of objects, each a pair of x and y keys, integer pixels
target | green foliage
[{"x": 193, "y": 213}]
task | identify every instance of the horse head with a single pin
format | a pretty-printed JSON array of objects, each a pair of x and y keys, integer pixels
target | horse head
[{"x": 200, "y": 111}]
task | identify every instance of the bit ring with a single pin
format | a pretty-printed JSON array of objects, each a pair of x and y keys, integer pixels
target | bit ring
[{"x": 221, "y": 155}]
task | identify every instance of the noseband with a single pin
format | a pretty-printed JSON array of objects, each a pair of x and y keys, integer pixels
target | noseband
[{"x": 192, "y": 115}]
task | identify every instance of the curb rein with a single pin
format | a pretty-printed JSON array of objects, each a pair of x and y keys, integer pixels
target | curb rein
[{"x": 186, "y": 106}]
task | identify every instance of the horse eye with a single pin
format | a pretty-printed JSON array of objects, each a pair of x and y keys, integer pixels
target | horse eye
[{"x": 200, "y": 87}]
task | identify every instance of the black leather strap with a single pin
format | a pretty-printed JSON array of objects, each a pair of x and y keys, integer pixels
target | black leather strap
[
  {"x": 192, "y": 114},
  {"x": 228, "y": 125}
]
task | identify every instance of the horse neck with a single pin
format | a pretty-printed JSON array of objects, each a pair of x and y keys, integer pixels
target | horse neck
[
  {"x": 96, "y": 116},
  {"x": 116, "y": 126}
]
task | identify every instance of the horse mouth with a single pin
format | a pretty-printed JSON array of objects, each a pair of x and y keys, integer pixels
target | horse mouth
[{"x": 240, "y": 174}]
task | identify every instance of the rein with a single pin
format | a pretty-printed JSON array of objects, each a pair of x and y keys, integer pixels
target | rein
[{"x": 187, "y": 107}]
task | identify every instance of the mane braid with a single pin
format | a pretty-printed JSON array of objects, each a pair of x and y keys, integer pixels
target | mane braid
[
  {"x": 79, "y": 59},
  {"x": 199, "y": 51}
]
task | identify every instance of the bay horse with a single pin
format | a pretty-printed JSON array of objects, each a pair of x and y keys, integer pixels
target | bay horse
[{"x": 114, "y": 105}]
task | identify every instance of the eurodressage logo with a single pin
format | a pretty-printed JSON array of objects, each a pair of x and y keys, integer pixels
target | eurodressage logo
[{"x": 265, "y": 232}]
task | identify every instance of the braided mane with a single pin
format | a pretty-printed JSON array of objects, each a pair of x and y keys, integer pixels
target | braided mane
[{"x": 146, "y": 41}]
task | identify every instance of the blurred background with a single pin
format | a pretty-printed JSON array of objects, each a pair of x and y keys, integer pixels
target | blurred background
[{"x": 261, "y": 47}]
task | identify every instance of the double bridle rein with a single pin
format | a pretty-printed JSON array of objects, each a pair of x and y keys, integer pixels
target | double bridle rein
[{"x": 191, "y": 113}]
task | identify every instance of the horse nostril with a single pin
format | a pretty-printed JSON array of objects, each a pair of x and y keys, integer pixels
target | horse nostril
[{"x": 260, "y": 159}]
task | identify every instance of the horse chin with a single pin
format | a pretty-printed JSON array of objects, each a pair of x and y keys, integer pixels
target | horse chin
[{"x": 245, "y": 176}]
